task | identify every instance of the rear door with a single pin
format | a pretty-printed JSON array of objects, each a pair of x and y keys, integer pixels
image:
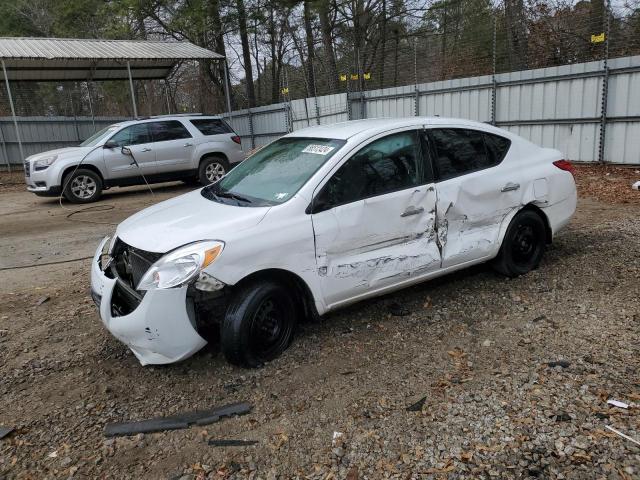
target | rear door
[
  {"x": 173, "y": 145},
  {"x": 374, "y": 219},
  {"x": 475, "y": 191},
  {"x": 138, "y": 139}
]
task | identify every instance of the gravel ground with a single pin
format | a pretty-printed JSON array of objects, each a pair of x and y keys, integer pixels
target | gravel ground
[{"x": 475, "y": 346}]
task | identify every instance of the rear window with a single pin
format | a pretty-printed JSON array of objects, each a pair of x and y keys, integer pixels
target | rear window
[{"x": 211, "y": 126}]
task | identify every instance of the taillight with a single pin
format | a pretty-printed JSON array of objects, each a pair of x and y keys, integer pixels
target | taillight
[
  {"x": 565, "y": 165},
  {"x": 236, "y": 139}
]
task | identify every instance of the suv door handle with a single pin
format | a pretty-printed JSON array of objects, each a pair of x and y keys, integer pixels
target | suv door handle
[
  {"x": 145, "y": 149},
  {"x": 188, "y": 145},
  {"x": 412, "y": 211},
  {"x": 509, "y": 187}
]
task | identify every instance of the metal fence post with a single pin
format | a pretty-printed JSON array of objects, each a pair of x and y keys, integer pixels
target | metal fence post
[
  {"x": 133, "y": 95},
  {"x": 605, "y": 85},
  {"x": 416, "y": 97},
  {"x": 253, "y": 138},
  {"x": 13, "y": 114},
  {"x": 493, "y": 74}
]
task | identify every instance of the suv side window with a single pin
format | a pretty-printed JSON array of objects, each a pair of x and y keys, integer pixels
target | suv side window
[
  {"x": 211, "y": 126},
  {"x": 458, "y": 151},
  {"x": 132, "y": 135},
  {"x": 386, "y": 165},
  {"x": 168, "y": 130}
]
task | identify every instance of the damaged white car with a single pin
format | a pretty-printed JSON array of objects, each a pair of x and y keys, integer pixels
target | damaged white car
[{"x": 321, "y": 218}]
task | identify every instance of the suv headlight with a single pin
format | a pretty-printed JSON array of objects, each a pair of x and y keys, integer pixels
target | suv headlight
[
  {"x": 181, "y": 266},
  {"x": 44, "y": 163}
]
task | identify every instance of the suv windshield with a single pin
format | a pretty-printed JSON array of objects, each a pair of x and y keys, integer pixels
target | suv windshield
[
  {"x": 99, "y": 135},
  {"x": 275, "y": 173}
]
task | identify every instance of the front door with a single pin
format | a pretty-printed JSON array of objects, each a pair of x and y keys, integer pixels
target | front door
[
  {"x": 138, "y": 139},
  {"x": 173, "y": 145},
  {"x": 474, "y": 195},
  {"x": 374, "y": 220}
]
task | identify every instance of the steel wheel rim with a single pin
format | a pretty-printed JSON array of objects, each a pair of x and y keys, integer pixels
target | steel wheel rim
[
  {"x": 524, "y": 244},
  {"x": 269, "y": 329},
  {"x": 214, "y": 172},
  {"x": 83, "y": 186}
]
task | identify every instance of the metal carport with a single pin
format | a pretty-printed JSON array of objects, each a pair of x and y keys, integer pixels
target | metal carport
[{"x": 66, "y": 59}]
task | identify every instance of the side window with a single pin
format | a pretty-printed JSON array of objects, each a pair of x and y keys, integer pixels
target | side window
[
  {"x": 457, "y": 152},
  {"x": 386, "y": 165},
  {"x": 132, "y": 135},
  {"x": 169, "y": 130},
  {"x": 497, "y": 147},
  {"x": 211, "y": 126}
]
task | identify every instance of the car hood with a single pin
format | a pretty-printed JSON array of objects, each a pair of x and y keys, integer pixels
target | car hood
[
  {"x": 186, "y": 219},
  {"x": 67, "y": 152}
]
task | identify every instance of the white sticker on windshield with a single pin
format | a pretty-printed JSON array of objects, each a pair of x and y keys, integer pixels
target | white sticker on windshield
[
  {"x": 280, "y": 196},
  {"x": 317, "y": 149}
]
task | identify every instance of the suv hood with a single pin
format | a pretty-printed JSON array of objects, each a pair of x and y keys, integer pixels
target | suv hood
[
  {"x": 186, "y": 219},
  {"x": 68, "y": 152}
]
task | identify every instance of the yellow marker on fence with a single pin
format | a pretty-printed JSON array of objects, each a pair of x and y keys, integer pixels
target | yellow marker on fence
[
  {"x": 597, "y": 38},
  {"x": 354, "y": 76},
  {"x": 285, "y": 90},
  {"x": 367, "y": 76},
  {"x": 343, "y": 77}
]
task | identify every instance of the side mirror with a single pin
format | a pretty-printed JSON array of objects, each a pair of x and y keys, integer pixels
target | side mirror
[
  {"x": 126, "y": 151},
  {"x": 110, "y": 144}
]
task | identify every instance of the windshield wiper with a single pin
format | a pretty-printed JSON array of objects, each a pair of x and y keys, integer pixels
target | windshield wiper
[{"x": 235, "y": 196}]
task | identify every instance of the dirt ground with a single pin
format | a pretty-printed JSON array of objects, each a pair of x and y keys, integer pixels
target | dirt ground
[{"x": 475, "y": 346}]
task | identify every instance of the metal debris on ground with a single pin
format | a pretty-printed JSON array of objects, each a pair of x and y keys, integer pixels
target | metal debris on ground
[
  {"x": 4, "y": 431},
  {"x": 617, "y": 403},
  {"x": 175, "y": 422},
  {"x": 231, "y": 443},
  {"x": 42, "y": 300},
  {"x": 417, "y": 407},
  {"x": 559, "y": 363},
  {"x": 617, "y": 432}
]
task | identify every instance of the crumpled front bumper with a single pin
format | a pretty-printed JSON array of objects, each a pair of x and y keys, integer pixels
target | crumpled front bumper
[{"x": 158, "y": 331}]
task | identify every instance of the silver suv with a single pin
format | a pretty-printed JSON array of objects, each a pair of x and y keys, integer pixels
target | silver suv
[{"x": 192, "y": 148}]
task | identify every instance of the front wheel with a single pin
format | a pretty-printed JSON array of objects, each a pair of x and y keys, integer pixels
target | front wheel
[
  {"x": 523, "y": 245},
  {"x": 212, "y": 169},
  {"x": 82, "y": 186},
  {"x": 258, "y": 325}
]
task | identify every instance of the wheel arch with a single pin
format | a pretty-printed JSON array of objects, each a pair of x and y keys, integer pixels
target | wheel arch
[
  {"x": 71, "y": 168},
  {"x": 305, "y": 301},
  {"x": 507, "y": 221},
  {"x": 206, "y": 155}
]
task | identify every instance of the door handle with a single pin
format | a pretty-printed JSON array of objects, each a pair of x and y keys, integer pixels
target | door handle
[
  {"x": 145, "y": 150},
  {"x": 412, "y": 211},
  {"x": 188, "y": 145},
  {"x": 509, "y": 187}
]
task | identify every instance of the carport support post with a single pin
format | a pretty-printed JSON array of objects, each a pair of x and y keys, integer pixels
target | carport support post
[
  {"x": 133, "y": 95},
  {"x": 13, "y": 115},
  {"x": 227, "y": 92}
]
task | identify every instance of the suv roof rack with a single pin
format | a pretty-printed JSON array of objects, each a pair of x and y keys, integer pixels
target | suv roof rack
[{"x": 178, "y": 115}]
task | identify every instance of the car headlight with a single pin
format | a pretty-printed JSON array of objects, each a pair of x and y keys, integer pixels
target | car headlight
[
  {"x": 45, "y": 162},
  {"x": 180, "y": 266}
]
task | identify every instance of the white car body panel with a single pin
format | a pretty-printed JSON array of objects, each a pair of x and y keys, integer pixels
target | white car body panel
[{"x": 355, "y": 251}]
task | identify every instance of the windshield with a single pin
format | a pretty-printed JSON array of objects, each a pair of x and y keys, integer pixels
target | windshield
[
  {"x": 275, "y": 173},
  {"x": 94, "y": 139}
]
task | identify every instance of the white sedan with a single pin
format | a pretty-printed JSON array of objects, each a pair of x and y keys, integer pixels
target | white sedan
[{"x": 321, "y": 218}]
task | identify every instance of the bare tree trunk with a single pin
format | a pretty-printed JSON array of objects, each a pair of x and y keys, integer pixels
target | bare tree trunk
[
  {"x": 308, "y": 30},
  {"x": 218, "y": 72},
  {"x": 275, "y": 74},
  {"x": 516, "y": 33},
  {"x": 246, "y": 53},
  {"x": 327, "y": 44},
  {"x": 383, "y": 43}
]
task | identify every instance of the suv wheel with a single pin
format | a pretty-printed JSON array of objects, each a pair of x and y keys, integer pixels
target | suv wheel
[
  {"x": 212, "y": 169},
  {"x": 523, "y": 245},
  {"x": 258, "y": 325},
  {"x": 82, "y": 186}
]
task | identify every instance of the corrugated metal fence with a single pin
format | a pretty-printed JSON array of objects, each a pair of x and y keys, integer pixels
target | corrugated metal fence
[{"x": 589, "y": 112}]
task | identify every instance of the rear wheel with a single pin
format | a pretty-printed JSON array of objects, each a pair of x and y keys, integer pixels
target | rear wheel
[
  {"x": 82, "y": 186},
  {"x": 212, "y": 169},
  {"x": 523, "y": 245},
  {"x": 258, "y": 325}
]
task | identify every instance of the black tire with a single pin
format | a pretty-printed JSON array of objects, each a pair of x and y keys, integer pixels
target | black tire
[
  {"x": 212, "y": 169},
  {"x": 523, "y": 245},
  {"x": 258, "y": 325},
  {"x": 82, "y": 186}
]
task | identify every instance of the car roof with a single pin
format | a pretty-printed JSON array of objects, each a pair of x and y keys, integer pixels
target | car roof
[
  {"x": 156, "y": 118},
  {"x": 373, "y": 126}
]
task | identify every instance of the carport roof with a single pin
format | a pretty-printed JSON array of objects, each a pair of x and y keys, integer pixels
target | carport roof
[{"x": 57, "y": 59}]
